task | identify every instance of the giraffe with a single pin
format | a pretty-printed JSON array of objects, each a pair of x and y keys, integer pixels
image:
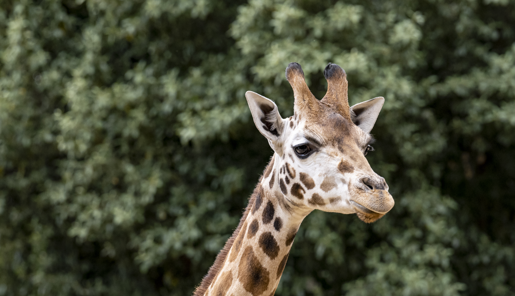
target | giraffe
[{"x": 318, "y": 163}]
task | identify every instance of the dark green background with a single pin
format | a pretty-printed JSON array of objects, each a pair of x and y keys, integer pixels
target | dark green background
[{"x": 127, "y": 150}]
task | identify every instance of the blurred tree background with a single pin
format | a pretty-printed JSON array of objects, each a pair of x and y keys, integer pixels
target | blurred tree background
[{"x": 127, "y": 150}]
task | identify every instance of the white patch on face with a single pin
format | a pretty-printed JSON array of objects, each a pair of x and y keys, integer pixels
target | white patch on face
[{"x": 320, "y": 165}]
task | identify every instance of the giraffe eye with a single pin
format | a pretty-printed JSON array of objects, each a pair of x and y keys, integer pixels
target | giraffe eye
[
  {"x": 303, "y": 150},
  {"x": 369, "y": 148}
]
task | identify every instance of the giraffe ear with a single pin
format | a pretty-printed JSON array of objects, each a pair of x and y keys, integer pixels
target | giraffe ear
[
  {"x": 266, "y": 116},
  {"x": 365, "y": 113}
]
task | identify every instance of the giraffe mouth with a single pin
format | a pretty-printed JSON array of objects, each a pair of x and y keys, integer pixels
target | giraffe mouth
[
  {"x": 361, "y": 208},
  {"x": 364, "y": 214},
  {"x": 372, "y": 202}
]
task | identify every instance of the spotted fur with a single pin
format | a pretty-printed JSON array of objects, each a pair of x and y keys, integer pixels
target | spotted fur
[
  {"x": 252, "y": 274},
  {"x": 226, "y": 281},
  {"x": 307, "y": 181},
  {"x": 291, "y": 171},
  {"x": 253, "y": 229},
  {"x": 269, "y": 245},
  {"x": 278, "y": 223},
  {"x": 291, "y": 236},
  {"x": 283, "y": 186},
  {"x": 272, "y": 179},
  {"x": 282, "y": 265},
  {"x": 237, "y": 244},
  {"x": 259, "y": 200},
  {"x": 268, "y": 213},
  {"x": 316, "y": 200},
  {"x": 297, "y": 191},
  {"x": 328, "y": 184},
  {"x": 345, "y": 167}
]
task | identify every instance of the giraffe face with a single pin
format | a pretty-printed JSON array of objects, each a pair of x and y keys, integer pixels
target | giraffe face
[
  {"x": 319, "y": 160},
  {"x": 323, "y": 166}
]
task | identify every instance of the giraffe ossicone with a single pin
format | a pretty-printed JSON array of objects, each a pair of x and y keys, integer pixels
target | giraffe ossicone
[{"x": 318, "y": 163}]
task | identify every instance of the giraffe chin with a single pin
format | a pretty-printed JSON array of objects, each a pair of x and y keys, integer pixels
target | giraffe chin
[{"x": 369, "y": 218}]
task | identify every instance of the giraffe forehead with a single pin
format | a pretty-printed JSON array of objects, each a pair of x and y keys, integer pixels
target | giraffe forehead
[
  {"x": 332, "y": 126},
  {"x": 330, "y": 130}
]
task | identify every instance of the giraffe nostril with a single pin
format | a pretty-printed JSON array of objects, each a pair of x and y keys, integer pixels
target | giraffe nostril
[
  {"x": 368, "y": 183},
  {"x": 374, "y": 183}
]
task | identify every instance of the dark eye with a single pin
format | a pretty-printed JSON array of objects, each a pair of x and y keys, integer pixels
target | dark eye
[
  {"x": 303, "y": 150},
  {"x": 369, "y": 148}
]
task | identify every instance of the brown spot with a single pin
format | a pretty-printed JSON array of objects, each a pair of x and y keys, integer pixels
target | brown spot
[
  {"x": 334, "y": 199},
  {"x": 259, "y": 200},
  {"x": 271, "y": 184},
  {"x": 316, "y": 200},
  {"x": 328, "y": 184},
  {"x": 253, "y": 228},
  {"x": 278, "y": 223},
  {"x": 291, "y": 170},
  {"x": 297, "y": 191},
  {"x": 268, "y": 213},
  {"x": 252, "y": 275},
  {"x": 345, "y": 167},
  {"x": 307, "y": 180},
  {"x": 280, "y": 269},
  {"x": 290, "y": 236},
  {"x": 283, "y": 187},
  {"x": 287, "y": 180},
  {"x": 224, "y": 285},
  {"x": 269, "y": 245},
  {"x": 237, "y": 243},
  {"x": 292, "y": 159},
  {"x": 291, "y": 124},
  {"x": 269, "y": 168}
]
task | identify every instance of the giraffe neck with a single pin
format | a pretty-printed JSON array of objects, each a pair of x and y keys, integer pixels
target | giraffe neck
[{"x": 258, "y": 250}]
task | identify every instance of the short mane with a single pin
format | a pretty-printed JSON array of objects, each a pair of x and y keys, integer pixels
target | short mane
[{"x": 220, "y": 258}]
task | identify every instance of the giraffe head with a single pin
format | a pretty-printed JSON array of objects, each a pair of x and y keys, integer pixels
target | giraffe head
[{"x": 319, "y": 160}]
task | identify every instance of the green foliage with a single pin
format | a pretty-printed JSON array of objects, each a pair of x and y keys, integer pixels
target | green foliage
[{"x": 127, "y": 151}]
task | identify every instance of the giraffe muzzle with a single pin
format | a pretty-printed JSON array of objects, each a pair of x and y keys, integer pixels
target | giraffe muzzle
[
  {"x": 371, "y": 199},
  {"x": 377, "y": 201}
]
